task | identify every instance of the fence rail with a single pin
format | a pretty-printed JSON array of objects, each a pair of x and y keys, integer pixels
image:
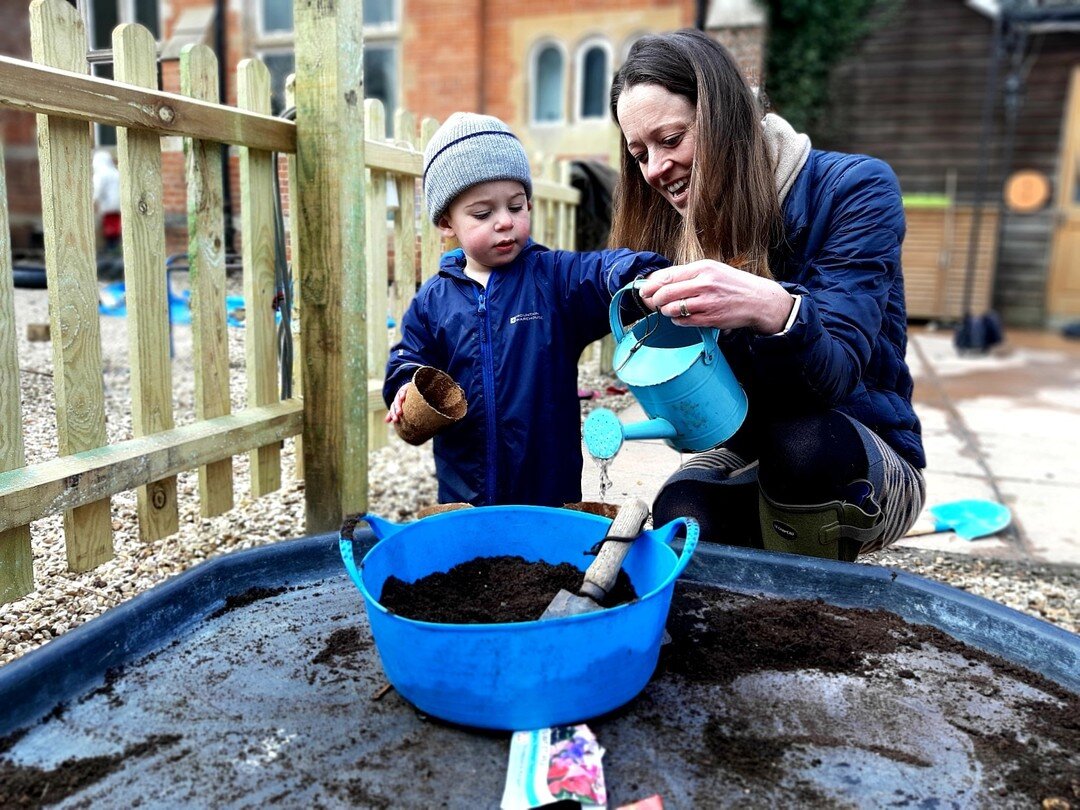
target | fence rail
[{"x": 351, "y": 254}]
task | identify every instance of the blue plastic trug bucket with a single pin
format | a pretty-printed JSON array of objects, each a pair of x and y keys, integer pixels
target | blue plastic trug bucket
[{"x": 521, "y": 675}]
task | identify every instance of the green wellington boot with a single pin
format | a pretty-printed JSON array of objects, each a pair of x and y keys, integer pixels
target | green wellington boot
[{"x": 834, "y": 530}]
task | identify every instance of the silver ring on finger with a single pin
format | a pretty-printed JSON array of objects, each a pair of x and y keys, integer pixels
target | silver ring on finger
[{"x": 683, "y": 311}]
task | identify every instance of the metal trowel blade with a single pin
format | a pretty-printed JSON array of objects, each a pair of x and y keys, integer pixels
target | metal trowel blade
[{"x": 569, "y": 604}]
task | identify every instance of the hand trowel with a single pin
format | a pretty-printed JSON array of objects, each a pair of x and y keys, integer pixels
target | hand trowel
[{"x": 601, "y": 574}]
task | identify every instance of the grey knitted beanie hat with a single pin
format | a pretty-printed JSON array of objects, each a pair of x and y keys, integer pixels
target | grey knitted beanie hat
[{"x": 469, "y": 149}]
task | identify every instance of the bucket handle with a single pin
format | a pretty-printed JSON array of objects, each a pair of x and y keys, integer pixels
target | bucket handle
[
  {"x": 380, "y": 527},
  {"x": 708, "y": 336},
  {"x": 693, "y": 532},
  {"x": 668, "y": 532}
]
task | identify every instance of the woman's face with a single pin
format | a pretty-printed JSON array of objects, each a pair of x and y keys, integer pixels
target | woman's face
[{"x": 659, "y": 130}]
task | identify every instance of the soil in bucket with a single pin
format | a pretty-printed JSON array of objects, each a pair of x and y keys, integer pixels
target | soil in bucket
[
  {"x": 608, "y": 510},
  {"x": 491, "y": 590}
]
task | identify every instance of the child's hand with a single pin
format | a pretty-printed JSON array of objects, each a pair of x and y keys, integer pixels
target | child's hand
[{"x": 394, "y": 414}]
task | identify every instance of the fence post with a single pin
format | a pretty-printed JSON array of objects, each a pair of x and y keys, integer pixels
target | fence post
[
  {"x": 405, "y": 231},
  {"x": 297, "y": 282},
  {"x": 58, "y": 39},
  {"x": 330, "y": 227},
  {"x": 257, "y": 228},
  {"x": 430, "y": 238},
  {"x": 16, "y": 566},
  {"x": 206, "y": 262},
  {"x": 142, "y": 220},
  {"x": 378, "y": 301}
]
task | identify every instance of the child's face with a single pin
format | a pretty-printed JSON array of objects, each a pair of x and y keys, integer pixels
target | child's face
[{"x": 491, "y": 221}]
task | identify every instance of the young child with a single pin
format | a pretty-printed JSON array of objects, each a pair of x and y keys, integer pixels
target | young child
[{"x": 508, "y": 320}]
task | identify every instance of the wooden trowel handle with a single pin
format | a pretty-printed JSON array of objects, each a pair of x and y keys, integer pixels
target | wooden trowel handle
[{"x": 601, "y": 574}]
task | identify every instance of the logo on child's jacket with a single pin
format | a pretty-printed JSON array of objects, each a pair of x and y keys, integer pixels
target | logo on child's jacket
[{"x": 526, "y": 316}]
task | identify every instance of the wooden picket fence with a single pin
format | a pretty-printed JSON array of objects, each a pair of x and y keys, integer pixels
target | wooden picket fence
[{"x": 339, "y": 164}]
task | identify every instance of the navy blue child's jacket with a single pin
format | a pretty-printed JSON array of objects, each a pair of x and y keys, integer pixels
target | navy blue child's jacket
[{"x": 514, "y": 348}]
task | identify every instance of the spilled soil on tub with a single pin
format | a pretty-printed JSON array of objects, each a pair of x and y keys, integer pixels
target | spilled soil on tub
[
  {"x": 491, "y": 590},
  {"x": 755, "y": 702},
  {"x": 1023, "y": 728},
  {"x": 27, "y": 786}
]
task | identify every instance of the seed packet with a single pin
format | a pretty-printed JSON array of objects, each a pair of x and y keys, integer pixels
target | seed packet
[{"x": 556, "y": 764}]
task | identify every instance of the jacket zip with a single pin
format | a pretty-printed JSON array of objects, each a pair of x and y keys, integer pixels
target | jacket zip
[{"x": 487, "y": 363}]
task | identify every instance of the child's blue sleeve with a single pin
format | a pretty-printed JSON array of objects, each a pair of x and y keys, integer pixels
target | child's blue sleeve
[
  {"x": 593, "y": 278},
  {"x": 416, "y": 348}
]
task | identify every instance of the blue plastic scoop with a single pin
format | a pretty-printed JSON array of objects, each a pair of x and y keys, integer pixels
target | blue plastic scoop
[{"x": 970, "y": 519}]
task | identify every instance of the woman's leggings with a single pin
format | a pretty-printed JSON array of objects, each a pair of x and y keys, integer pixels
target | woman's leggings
[{"x": 804, "y": 461}]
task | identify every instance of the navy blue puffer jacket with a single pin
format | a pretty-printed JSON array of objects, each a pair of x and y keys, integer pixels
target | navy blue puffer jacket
[
  {"x": 514, "y": 348},
  {"x": 844, "y": 223}
]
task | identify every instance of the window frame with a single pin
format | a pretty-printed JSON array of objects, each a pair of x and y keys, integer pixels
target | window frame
[
  {"x": 534, "y": 83},
  {"x": 583, "y": 50},
  {"x": 382, "y": 36}
]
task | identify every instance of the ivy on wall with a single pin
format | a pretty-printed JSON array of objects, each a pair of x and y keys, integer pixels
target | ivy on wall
[{"x": 807, "y": 38}]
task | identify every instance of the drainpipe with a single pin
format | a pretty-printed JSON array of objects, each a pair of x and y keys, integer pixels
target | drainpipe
[{"x": 226, "y": 191}]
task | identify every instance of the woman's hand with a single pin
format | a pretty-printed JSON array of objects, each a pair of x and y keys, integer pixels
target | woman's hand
[
  {"x": 711, "y": 293},
  {"x": 394, "y": 413}
]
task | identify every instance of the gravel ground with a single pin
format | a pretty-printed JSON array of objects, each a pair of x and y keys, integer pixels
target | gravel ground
[{"x": 402, "y": 480}]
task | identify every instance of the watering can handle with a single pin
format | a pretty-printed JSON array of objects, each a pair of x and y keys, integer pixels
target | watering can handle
[
  {"x": 708, "y": 336},
  {"x": 614, "y": 317}
]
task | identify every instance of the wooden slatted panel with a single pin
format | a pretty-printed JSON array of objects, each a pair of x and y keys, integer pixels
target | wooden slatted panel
[
  {"x": 430, "y": 238},
  {"x": 564, "y": 236},
  {"x": 16, "y": 559},
  {"x": 142, "y": 220},
  {"x": 330, "y": 160},
  {"x": 378, "y": 277},
  {"x": 70, "y": 94},
  {"x": 206, "y": 252},
  {"x": 57, "y": 38},
  {"x": 70, "y": 481},
  {"x": 934, "y": 258},
  {"x": 257, "y": 226},
  {"x": 405, "y": 275}
]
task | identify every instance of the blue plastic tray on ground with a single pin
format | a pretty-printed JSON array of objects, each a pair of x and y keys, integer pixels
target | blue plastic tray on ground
[{"x": 282, "y": 699}]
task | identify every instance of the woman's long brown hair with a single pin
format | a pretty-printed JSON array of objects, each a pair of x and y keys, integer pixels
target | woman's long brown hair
[{"x": 733, "y": 213}]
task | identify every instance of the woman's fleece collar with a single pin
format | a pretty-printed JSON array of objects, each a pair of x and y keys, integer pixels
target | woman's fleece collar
[{"x": 788, "y": 151}]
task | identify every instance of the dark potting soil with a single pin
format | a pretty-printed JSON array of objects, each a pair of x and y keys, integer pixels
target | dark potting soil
[
  {"x": 240, "y": 600},
  {"x": 716, "y": 642},
  {"x": 27, "y": 786},
  {"x": 491, "y": 590}
]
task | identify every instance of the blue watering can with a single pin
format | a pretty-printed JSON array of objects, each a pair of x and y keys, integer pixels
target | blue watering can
[{"x": 681, "y": 379}]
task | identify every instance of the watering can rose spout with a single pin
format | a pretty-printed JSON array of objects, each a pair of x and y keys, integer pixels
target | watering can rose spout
[{"x": 604, "y": 433}]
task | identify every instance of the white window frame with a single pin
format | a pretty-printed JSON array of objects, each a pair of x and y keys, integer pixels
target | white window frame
[
  {"x": 579, "y": 72},
  {"x": 125, "y": 13},
  {"x": 534, "y": 82},
  {"x": 265, "y": 36},
  {"x": 383, "y": 34}
]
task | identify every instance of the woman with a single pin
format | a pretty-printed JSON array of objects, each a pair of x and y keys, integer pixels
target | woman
[{"x": 794, "y": 254}]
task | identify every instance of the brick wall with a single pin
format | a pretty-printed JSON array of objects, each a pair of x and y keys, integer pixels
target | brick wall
[
  {"x": 747, "y": 45},
  {"x": 456, "y": 59},
  {"x": 18, "y": 133}
]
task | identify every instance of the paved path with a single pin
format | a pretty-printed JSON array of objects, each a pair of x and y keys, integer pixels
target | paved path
[{"x": 1004, "y": 427}]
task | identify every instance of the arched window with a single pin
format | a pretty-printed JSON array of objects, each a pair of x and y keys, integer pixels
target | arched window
[
  {"x": 548, "y": 85},
  {"x": 594, "y": 80}
]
